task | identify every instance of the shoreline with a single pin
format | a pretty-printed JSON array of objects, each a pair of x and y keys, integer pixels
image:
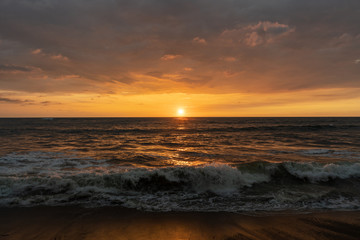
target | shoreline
[{"x": 73, "y": 222}]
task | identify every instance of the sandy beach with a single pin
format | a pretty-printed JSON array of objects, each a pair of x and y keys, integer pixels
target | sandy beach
[{"x": 119, "y": 223}]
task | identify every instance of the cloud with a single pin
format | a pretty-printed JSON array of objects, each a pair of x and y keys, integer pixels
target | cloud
[
  {"x": 5, "y": 100},
  {"x": 40, "y": 52},
  {"x": 36, "y": 51},
  {"x": 15, "y": 101},
  {"x": 46, "y": 103},
  {"x": 199, "y": 40},
  {"x": 155, "y": 74},
  {"x": 257, "y": 34},
  {"x": 14, "y": 68},
  {"x": 168, "y": 57},
  {"x": 107, "y": 44},
  {"x": 59, "y": 57}
]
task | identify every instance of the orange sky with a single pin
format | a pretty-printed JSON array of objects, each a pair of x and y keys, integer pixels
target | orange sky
[
  {"x": 301, "y": 103},
  {"x": 150, "y": 58}
]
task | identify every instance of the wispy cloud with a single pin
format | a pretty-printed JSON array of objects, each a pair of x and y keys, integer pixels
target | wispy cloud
[
  {"x": 15, "y": 101},
  {"x": 6, "y": 100},
  {"x": 59, "y": 57},
  {"x": 40, "y": 52},
  {"x": 199, "y": 40},
  {"x": 36, "y": 51},
  {"x": 168, "y": 57},
  {"x": 257, "y": 34},
  {"x": 14, "y": 68}
]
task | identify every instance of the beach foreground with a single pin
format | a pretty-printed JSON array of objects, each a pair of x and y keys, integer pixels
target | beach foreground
[{"x": 119, "y": 223}]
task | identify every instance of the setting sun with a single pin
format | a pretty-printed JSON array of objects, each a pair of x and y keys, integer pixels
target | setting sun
[{"x": 180, "y": 112}]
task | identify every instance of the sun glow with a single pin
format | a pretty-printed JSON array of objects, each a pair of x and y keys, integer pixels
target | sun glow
[{"x": 180, "y": 112}]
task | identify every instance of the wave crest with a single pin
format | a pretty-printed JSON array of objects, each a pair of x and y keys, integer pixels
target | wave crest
[{"x": 247, "y": 186}]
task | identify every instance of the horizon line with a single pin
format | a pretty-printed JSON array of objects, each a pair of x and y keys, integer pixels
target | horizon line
[{"x": 193, "y": 117}]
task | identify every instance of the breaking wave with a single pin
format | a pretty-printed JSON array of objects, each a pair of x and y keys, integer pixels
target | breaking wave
[{"x": 43, "y": 179}]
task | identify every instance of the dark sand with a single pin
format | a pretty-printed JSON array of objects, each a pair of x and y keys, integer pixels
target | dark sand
[{"x": 119, "y": 223}]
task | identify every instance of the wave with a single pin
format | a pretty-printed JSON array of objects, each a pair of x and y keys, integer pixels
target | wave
[
  {"x": 214, "y": 187},
  {"x": 312, "y": 171},
  {"x": 189, "y": 129}
]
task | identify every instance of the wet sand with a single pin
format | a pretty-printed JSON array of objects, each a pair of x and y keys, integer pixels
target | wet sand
[{"x": 119, "y": 223}]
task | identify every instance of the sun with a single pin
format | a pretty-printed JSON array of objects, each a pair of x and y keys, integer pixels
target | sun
[{"x": 180, "y": 112}]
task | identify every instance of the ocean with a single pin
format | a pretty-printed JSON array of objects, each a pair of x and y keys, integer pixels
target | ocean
[{"x": 182, "y": 164}]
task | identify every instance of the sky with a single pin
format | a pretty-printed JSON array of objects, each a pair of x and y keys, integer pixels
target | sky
[{"x": 150, "y": 58}]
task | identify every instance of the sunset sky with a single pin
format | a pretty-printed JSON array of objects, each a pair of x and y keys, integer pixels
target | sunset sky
[{"x": 114, "y": 58}]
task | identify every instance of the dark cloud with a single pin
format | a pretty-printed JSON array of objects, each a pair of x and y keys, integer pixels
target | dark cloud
[
  {"x": 10, "y": 67},
  {"x": 15, "y": 101},
  {"x": 277, "y": 45},
  {"x": 6, "y": 100}
]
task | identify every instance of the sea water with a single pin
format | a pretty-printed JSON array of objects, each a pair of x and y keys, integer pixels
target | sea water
[{"x": 182, "y": 164}]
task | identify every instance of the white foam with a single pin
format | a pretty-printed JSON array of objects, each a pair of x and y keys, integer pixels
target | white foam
[
  {"x": 318, "y": 172},
  {"x": 39, "y": 178},
  {"x": 47, "y": 164}
]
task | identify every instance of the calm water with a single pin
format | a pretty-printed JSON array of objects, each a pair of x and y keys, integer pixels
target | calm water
[{"x": 186, "y": 164}]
